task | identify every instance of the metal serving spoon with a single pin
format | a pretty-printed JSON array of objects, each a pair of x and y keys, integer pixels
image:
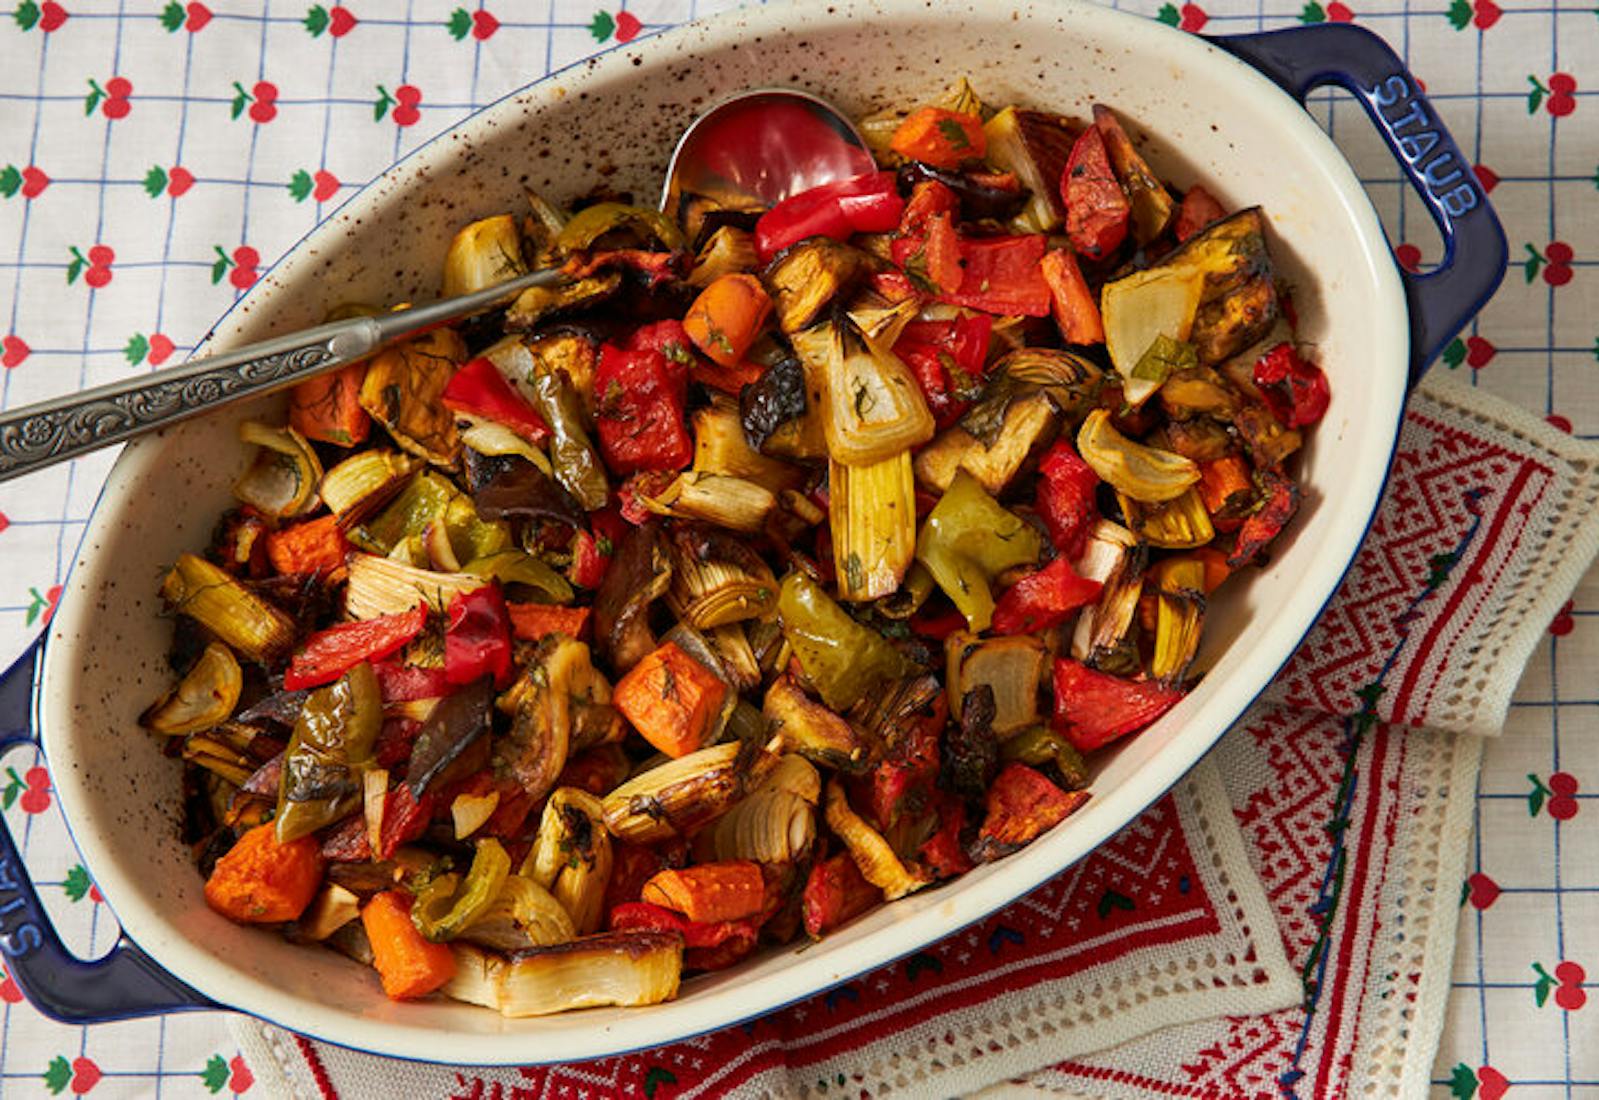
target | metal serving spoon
[{"x": 768, "y": 144}]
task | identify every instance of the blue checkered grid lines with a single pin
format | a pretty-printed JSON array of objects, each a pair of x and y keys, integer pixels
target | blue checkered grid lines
[{"x": 210, "y": 174}]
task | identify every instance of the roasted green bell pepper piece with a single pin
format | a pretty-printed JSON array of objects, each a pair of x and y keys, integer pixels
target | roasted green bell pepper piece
[
  {"x": 844, "y": 659},
  {"x": 330, "y": 747},
  {"x": 520, "y": 567},
  {"x": 967, "y": 540},
  {"x": 593, "y": 222},
  {"x": 577, "y": 464},
  {"x": 448, "y": 905},
  {"x": 1040, "y": 745}
]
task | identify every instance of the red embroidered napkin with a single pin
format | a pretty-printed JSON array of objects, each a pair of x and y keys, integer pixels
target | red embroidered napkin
[{"x": 1158, "y": 945}]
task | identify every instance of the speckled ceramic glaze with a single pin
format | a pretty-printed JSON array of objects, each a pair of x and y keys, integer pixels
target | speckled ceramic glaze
[{"x": 1200, "y": 116}]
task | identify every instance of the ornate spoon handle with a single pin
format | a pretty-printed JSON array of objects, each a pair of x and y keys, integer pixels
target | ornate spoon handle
[{"x": 54, "y": 431}]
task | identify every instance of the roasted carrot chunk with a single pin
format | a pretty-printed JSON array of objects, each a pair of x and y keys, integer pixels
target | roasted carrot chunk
[
  {"x": 836, "y": 892},
  {"x": 671, "y": 699},
  {"x": 315, "y": 547},
  {"x": 1022, "y": 804},
  {"x": 409, "y": 965},
  {"x": 326, "y": 408},
  {"x": 261, "y": 881},
  {"x": 727, "y": 890},
  {"x": 532, "y": 621},
  {"x": 1072, "y": 303},
  {"x": 1226, "y": 487},
  {"x": 940, "y": 137},
  {"x": 727, "y": 316}
]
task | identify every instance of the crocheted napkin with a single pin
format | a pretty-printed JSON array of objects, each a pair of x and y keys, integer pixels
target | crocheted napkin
[{"x": 1285, "y": 917}]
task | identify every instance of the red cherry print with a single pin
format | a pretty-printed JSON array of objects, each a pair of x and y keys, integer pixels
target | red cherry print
[
  {"x": 1558, "y": 421},
  {"x": 1479, "y": 352},
  {"x": 160, "y": 349},
  {"x": 1562, "y": 83},
  {"x": 341, "y": 21},
  {"x": 1571, "y": 997},
  {"x": 243, "y": 278},
  {"x": 1487, "y": 177},
  {"x": 1557, "y": 274},
  {"x": 1409, "y": 257},
  {"x": 116, "y": 108},
  {"x": 4, "y": 522},
  {"x": 119, "y": 87},
  {"x": 1483, "y": 891},
  {"x": 484, "y": 25},
  {"x": 265, "y": 92},
  {"x": 85, "y": 1075},
  {"x": 199, "y": 16},
  {"x": 241, "y": 1079},
  {"x": 34, "y": 181},
  {"x": 1558, "y": 252},
  {"x": 1485, "y": 14},
  {"x": 1338, "y": 13},
  {"x": 9, "y": 993},
  {"x": 13, "y": 350},
  {"x": 628, "y": 26},
  {"x": 406, "y": 98},
  {"x": 1562, "y": 624},
  {"x": 1193, "y": 18},
  {"x": 1562, "y": 808},
  {"x": 1491, "y": 1084},
  {"x": 1568, "y": 972},
  {"x": 263, "y": 112},
  {"x": 1564, "y": 783},
  {"x": 1561, "y": 105},
  {"x": 97, "y": 277},
  {"x": 95, "y": 895},
  {"x": 51, "y": 16},
  {"x": 34, "y": 802},
  {"x": 102, "y": 255},
  {"x": 327, "y": 185},
  {"x": 179, "y": 180},
  {"x": 245, "y": 256}
]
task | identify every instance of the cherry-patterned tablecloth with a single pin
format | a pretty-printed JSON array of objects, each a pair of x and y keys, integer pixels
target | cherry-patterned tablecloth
[{"x": 155, "y": 156}]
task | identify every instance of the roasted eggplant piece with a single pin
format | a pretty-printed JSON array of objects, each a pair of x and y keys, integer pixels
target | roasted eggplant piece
[
  {"x": 778, "y": 415},
  {"x": 639, "y": 574},
  {"x": 978, "y": 201},
  {"x": 454, "y": 726},
  {"x": 805, "y": 279}
]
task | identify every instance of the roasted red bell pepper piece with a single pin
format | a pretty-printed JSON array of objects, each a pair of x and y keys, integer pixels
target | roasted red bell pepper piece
[
  {"x": 479, "y": 389},
  {"x": 938, "y": 625},
  {"x": 396, "y": 738},
  {"x": 639, "y": 412},
  {"x": 477, "y": 637},
  {"x": 893, "y": 285},
  {"x": 650, "y": 483},
  {"x": 1279, "y": 496},
  {"x": 1043, "y": 599},
  {"x": 404, "y": 819},
  {"x": 642, "y": 915},
  {"x": 1093, "y": 708},
  {"x": 1001, "y": 275},
  {"x": 932, "y": 259},
  {"x": 927, "y": 198},
  {"x": 942, "y": 853},
  {"x": 1065, "y": 498},
  {"x": 632, "y": 865},
  {"x": 868, "y": 203},
  {"x": 1197, "y": 211},
  {"x": 671, "y": 340},
  {"x": 403, "y": 683},
  {"x": 836, "y": 892},
  {"x": 1097, "y": 210},
  {"x": 1076, "y": 312},
  {"x": 735, "y": 949},
  {"x": 902, "y": 786},
  {"x": 948, "y": 359},
  {"x": 653, "y": 267},
  {"x": 592, "y": 549},
  {"x": 1295, "y": 389},
  {"x": 330, "y": 653},
  {"x": 1022, "y": 804}
]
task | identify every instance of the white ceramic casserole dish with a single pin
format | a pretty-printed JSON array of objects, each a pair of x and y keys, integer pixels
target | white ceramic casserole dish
[{"x": 1202, "y": 115}]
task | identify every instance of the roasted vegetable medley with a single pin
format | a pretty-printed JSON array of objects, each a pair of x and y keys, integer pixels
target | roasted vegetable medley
[{"x": 778, "y": 563}]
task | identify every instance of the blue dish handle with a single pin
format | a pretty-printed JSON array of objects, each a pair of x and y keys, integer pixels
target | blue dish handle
[
  {"x": 1441, "y": 302},
  {"x": 126, "y": 982}
]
